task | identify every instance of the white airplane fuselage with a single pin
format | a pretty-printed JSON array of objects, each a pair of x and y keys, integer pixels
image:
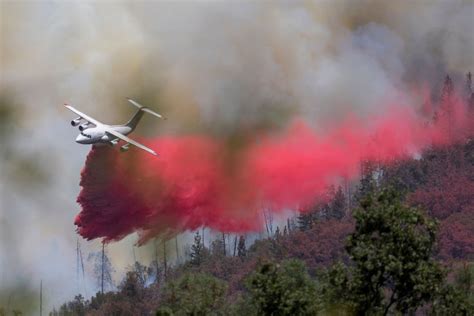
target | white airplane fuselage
[{"x": 97, "y": 134}]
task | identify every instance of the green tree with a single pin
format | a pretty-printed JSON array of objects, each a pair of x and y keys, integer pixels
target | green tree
[
  {"x": 193, "y": 294},
  {"x": 391, "y": 250},
  {"x": 457, "y": 299},
  {"x": 464, "y": 279},
  {"x": 337, "y": 207},
  {"x": 77, "y": 307},
  {"x": 308, "y": 218},
  {"x": 305, "y": 221},
  {"x": 284, "y": 289},
  {"x": 197, "y": 251},
  {"x": 241, "y": 248},
  {"x": 450, "y": 300}
]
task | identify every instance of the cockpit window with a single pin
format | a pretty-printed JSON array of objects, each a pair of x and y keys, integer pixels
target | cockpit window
[{"x": 88, "y": 136}]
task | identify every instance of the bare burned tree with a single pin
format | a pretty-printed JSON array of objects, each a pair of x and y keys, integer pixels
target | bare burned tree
[
  {"x": 165, "y": 261},
  {"x": 102, "y": 269},
  {"x": 268, "y": 218},
  {"x": 235, "y": 245},
  {"x": 223, "y": 242},
  {"x": 178, "y": 259}
]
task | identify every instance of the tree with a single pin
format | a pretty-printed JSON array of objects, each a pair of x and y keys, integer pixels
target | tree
[
  {"x": 367, "y": 183},
  {"x": 391, "y": 250},
  {"x": 218, "y": 248},
  {"x": 446, "y": 112},
  {"x": 456, "y": 238},
  {"x": 448, "y": 89},
  {"x": 277, "y": 235},
  {"x": 337, "y": 207},
  {"x": 464, "y": 279},
  {"x": 197, "y": 251},
  {"x": 241, "y": 248},
  {"x": 102, "y": 269},
  {"x": 446, "y": 195},
  {"x": 457, "y": 299},
  {"x": 75, "y": 307},
  {"x": 268, "y": 219},
  {"x": 223, "y": 244},
  {"x": 144, "y": 274},
  {"x": 450, "y": 300},
  {"x": 331, "y": 204},
  {"x": 305, "y": 221},
  {"x": 468, "y": 92},
  {"x": 284, "y": 289},
  {"x": 308, "y": 218},
  {"x": 193, "y": 294},
  {"x": 320, "y": 246},
  {"x": 132, "y": 286}
]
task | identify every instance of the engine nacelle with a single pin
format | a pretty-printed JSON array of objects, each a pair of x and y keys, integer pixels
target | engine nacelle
[
  {"x": 125, "y": 147},
  {"x": 76, "y": 121},
  {"x": 83, "y": 126}
]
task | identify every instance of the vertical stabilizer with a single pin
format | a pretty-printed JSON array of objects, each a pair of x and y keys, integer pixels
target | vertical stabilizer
[{"x": 135, "y": 119}]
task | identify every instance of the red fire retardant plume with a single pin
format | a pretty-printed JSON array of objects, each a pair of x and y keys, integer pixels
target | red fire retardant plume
[{"x": 199, "y": 181}]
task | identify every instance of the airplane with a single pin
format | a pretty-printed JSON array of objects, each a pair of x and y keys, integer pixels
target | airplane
[{"x": 95, "y": 133}]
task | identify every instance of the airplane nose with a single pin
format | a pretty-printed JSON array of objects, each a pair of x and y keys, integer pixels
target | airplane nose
[{"x": 80, "y": 139}]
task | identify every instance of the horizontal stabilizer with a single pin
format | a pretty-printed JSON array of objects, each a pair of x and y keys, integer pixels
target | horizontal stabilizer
[{"x": 145, "y": 109}]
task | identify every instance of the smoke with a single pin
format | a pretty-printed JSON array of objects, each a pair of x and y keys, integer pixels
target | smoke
[{"x": 232, "y": 77}]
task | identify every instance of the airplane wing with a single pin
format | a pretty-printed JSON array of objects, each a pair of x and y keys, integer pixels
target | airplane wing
[
  {"x": 128, "y": 140},
  {"x": 84, "y": 116}
]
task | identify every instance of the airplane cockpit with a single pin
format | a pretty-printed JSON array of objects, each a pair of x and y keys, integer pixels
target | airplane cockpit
[{"x": 88, "y": 136}]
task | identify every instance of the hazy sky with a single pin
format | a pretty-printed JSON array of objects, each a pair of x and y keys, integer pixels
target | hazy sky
[{"x": 216, "y": 68}]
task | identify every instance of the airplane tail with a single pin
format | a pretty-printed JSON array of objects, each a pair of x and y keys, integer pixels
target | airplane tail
[{"x": 139, "y": 114}]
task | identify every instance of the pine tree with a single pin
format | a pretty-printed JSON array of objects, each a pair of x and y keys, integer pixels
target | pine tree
[
  {"x": 337, "y": 207},
  {"x": 223, "y": 244},
  {"x": 197, "y": 250},
  {"x": 448, "y": 89},
  {"x": 468, "y": 88},
  {"x": 241, "y": 248},
  {"x": 277, "y": 233},
  {"x": 165, "y": 260},
  {"x": 235, "y": 246},
  {"x": 305, "y": 221},
  {"x": 469, "y": 93},
  {"x": 446, "y": 108}
]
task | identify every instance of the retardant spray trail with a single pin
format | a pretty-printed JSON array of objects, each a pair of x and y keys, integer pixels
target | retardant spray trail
[{"x": 200, "y": 181}]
